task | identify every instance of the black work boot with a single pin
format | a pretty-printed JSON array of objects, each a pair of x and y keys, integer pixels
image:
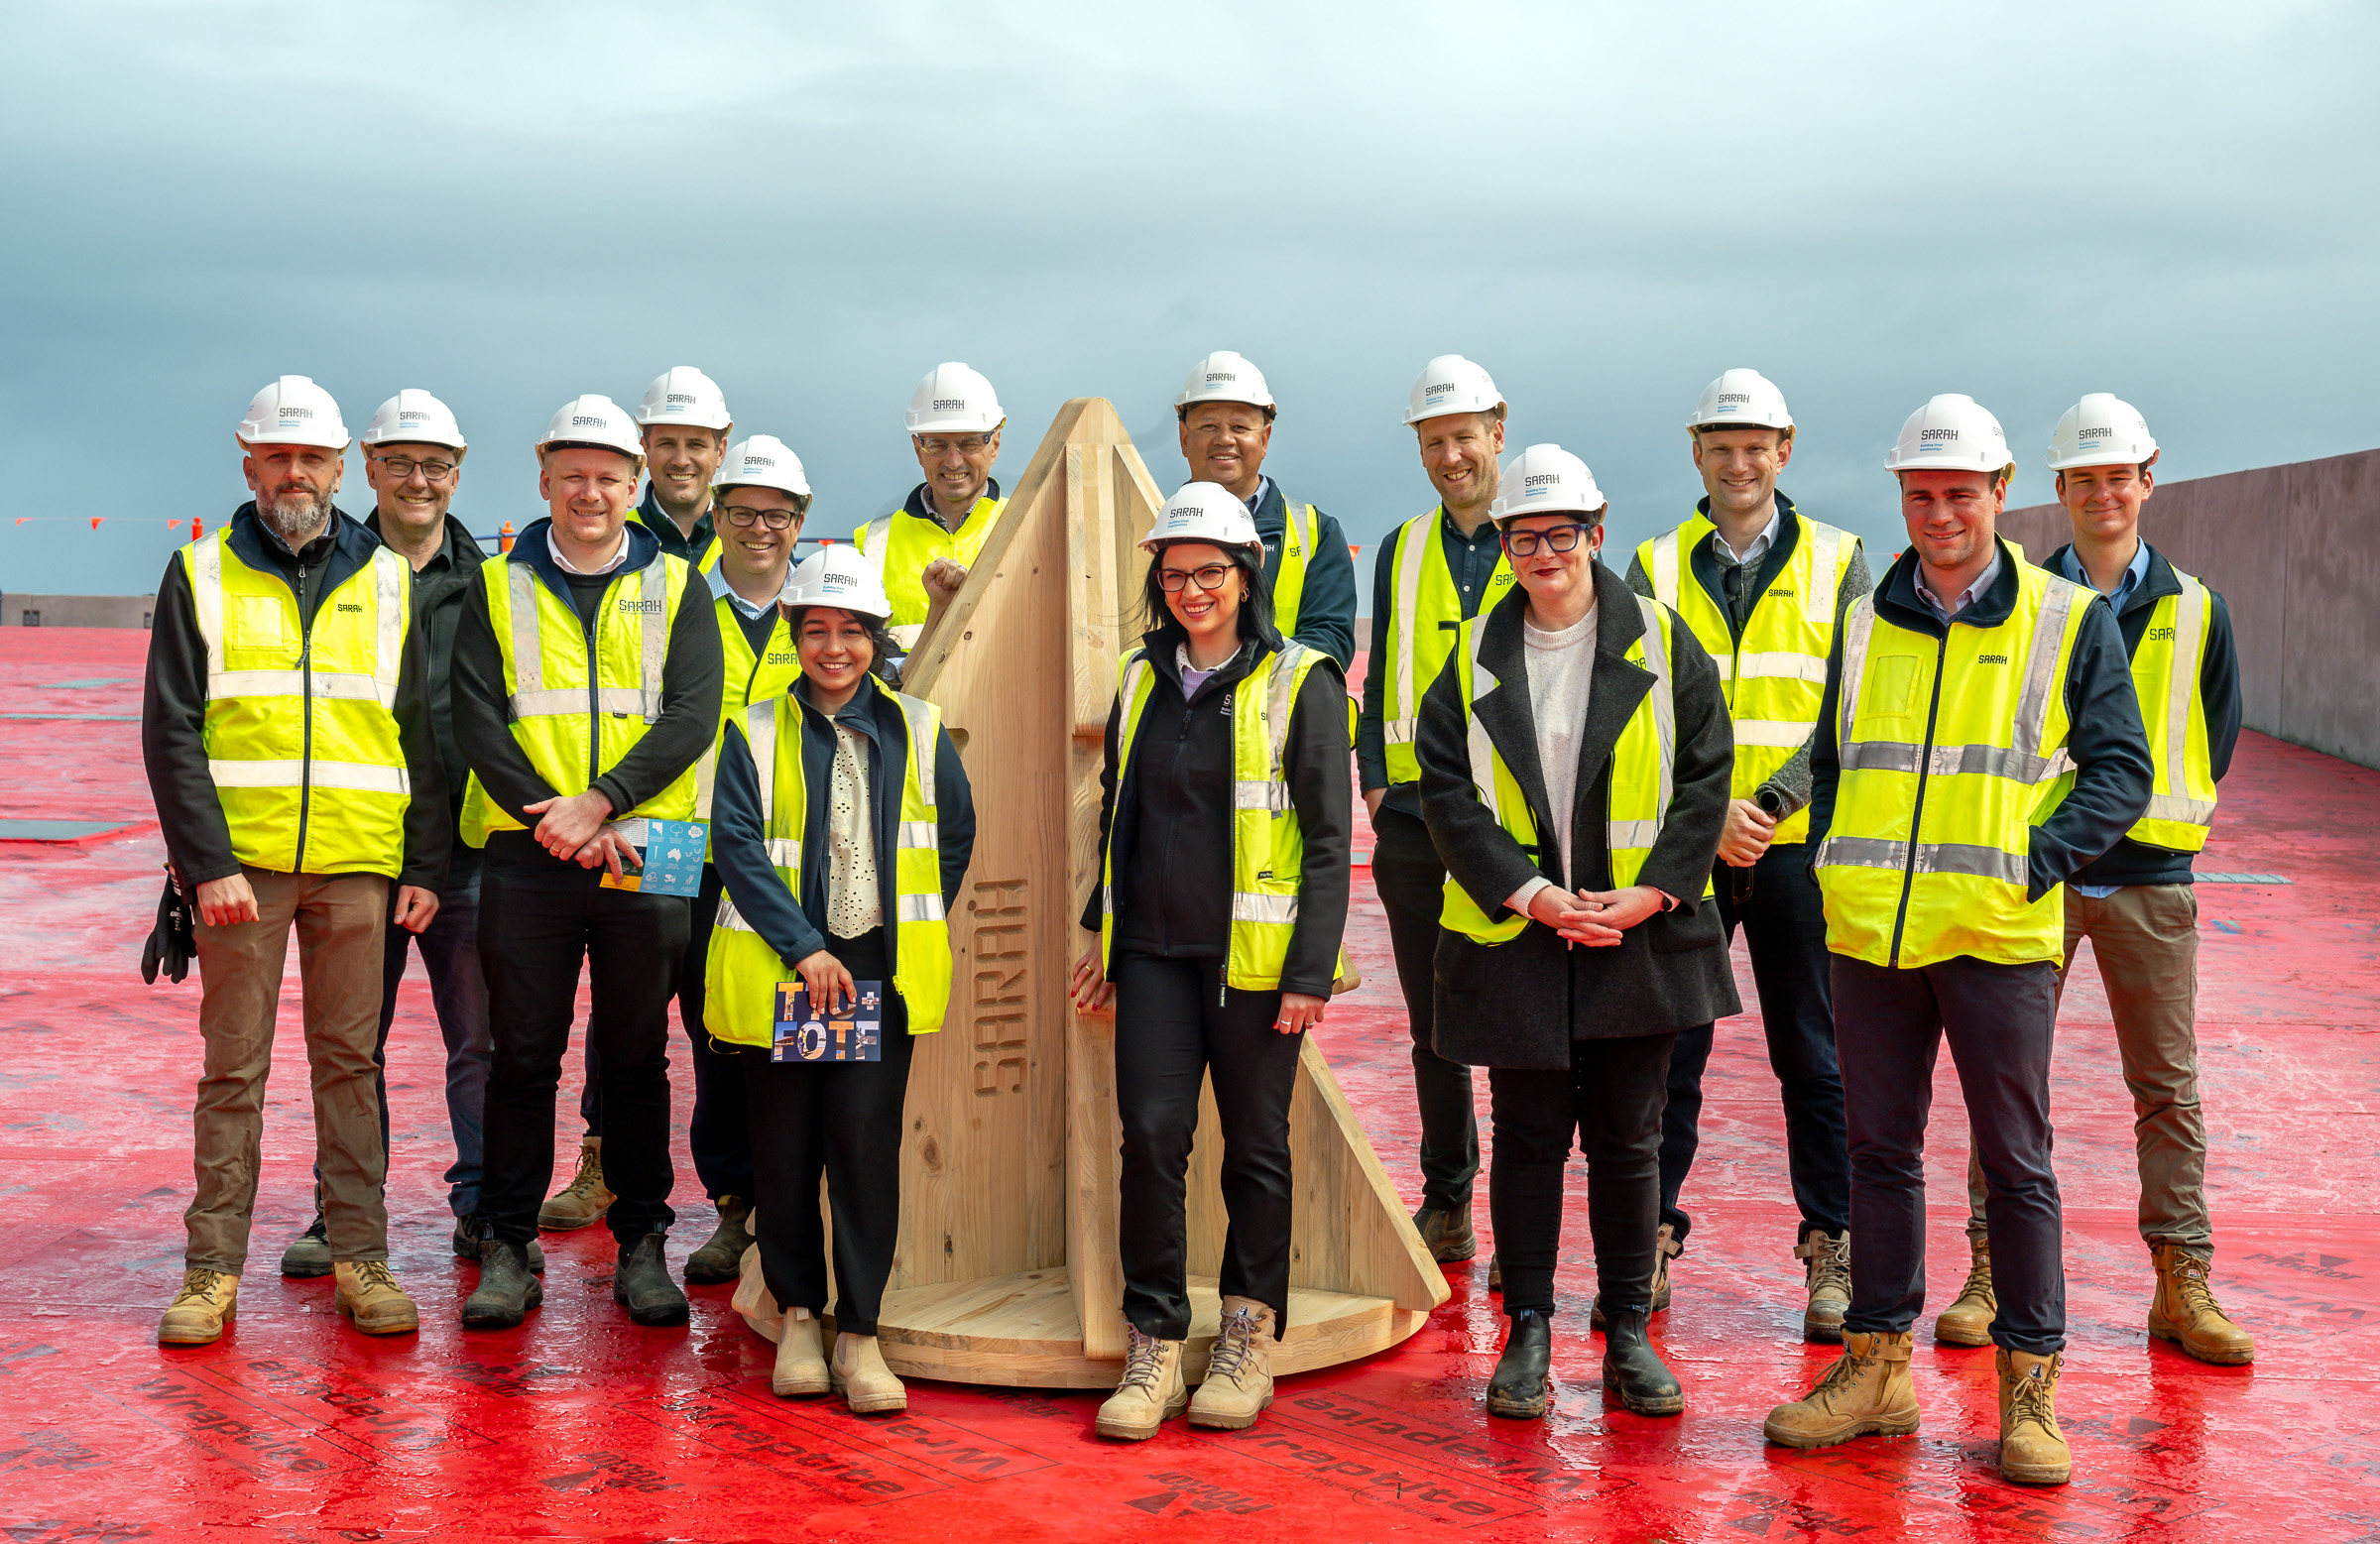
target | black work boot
[
  {"x": 472, "y": 1230},
  {"x": 642, "y": 1284},
  {"x": 1631, "y": 1370},
  {"x": 1446, "y": 1233},
  {"x": 308, "y": 1255},
  {"x": 1523, "y": 1383},
  {"x": 507, "y": 1289},
  {"x": 720, "y": 1257}
]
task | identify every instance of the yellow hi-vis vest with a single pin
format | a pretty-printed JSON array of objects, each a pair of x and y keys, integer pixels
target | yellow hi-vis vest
[
  {"x": 742, "y": 972},
  {"x": 1776, "y": 673},
  {"x": 301, "y": 726},
  {"x": 1424, "y": 616},
  {"x": 903, "y": 546},
  {"x": 1644, "y": 772},
  {"x": 750, "y": 679},
  {"x": 1297, "y": 550},
  {"x": 1952, "y": 750},
  {"x": 574, "y": 716},
  {"x": 2166, "y": 670},
  {"x": 1268, "y": 846}
]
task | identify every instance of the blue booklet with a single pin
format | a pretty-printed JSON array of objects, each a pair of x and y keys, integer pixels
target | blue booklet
[
  {"x": 670, "y": 860},
  {"x": 851, "y": 1032}
]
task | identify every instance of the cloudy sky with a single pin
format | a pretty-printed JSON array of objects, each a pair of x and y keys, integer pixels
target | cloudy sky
[{"x": 1604, "y": 204}]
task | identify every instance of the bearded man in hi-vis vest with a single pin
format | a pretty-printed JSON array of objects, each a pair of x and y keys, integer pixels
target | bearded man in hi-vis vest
[
  {"x": 2136, "y": 903},
  {"x": 1764, "y": 588},
  {"x": 1980, "y": 743},
  {"x": 290, "y": 749}
]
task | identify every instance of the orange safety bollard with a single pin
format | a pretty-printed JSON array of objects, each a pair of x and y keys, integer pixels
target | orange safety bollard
[{"x": 504, "y": 538}]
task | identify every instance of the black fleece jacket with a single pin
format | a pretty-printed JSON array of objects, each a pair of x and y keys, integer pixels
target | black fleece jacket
[
  {"x": 795, "y": 927},
  {"x": 2137, "y": 862},
  {"x": 2113, "y": 775},
  {"x": 692, "y": 678},
  {"x": 174, "y": 705},
  {"x": 440, "y": 588},
  {"x": 1172, "y": 824}
]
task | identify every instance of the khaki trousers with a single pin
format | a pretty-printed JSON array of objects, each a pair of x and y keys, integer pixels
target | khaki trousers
[
  {"x": 341, "y": 921},
  {"x": 2146, "y": 941}
]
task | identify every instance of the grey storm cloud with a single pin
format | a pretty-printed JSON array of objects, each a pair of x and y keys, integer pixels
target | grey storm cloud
[{"x": 1604, "y": 204}]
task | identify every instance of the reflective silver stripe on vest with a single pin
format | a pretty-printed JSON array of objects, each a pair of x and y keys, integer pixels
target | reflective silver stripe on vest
[
  {"x": 760, "y": 738},
  {"x": 1270, "y": 796},
  {"x": 1775, "y": 732},
  {"x": 2189, "y": 631},
  {"x": 292, "y": 683},
  {"x": 917, "y": 833},
  {"x": 390, "y": 575},
  {"x": 920, "y": 908},
  {"x": 1858, "y": 627},
  {"x": 528, "y": 657},
  {"x": 1411, "y": 552},
  {"x": 206, "y": 597},
  {"x": 356, "y": 776},
  {"x": 1952, "y": 760},
  {"x": 1665, "y": 567},
  {"x": 919, "y": 719},
  {"x": 562, "y": 701},
  {"x": 1644, "y": 833},
  {"x": 1481, "y": 749},
  {"x": 1868, "y": 851},
  {"x": 785, "y": 852},
  {"x": 875, "y": 542},
  {"x": 730, "y": 917},
  {"x": 651, "y": 585},
  {"x": 1825, "y": 581},
  {"x": 2041, "y": 665},
  {"x": 1275, "y": 910},
  {"x": 1774, "y": 665}
]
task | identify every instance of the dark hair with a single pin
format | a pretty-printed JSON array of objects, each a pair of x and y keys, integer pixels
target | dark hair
[
  {"x": 1181, "y": 414},
  {"x": 880, "y": 639},
  {"x": 1255, "y": 606}
]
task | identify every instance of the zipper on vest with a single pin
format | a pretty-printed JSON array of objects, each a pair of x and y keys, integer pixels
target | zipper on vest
[
  {"x": 1917, "y": 813},
  {"x": 306, "y": 745},
  {"x": 595, "y": 692}
]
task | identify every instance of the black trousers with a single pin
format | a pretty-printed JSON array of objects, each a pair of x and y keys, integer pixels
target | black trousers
[
  {"x": 536, "y": 923},
  {"x": 841, "y": 1119},
  {"x": 2000, "y": 1020},
  {"x": 1176, "y": 1022},
  {"x": 1785, "y": 928},
  {"x": 1610, "y": 1095},
  {"x": 1412, "y": 882}
]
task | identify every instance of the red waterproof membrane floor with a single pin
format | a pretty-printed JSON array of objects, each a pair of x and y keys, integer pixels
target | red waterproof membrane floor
[{"x": 581, "y": 1426}]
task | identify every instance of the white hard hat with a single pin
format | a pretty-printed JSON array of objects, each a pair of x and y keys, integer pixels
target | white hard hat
[
  {"x": 1545, "y": 480},
  {"x": 2102, "y": 429},
  {"x": 1954, "y": 432},
  {"x": 1223, "y": 376},
  {"x": 1205, "y": 511},
  {"x": 682, "y": 394},
  {"x": 293, "y": 411},
  {"x": 1744, "y": 398},
  {"x": 593, "y": 420},
  {"x": 954, "y": 399},
  {"x": 413, "y": 416},
  {"x": 840, "y": 576},
  {"x": 1451, "y": 384},
  {"x": 762, "y": 461}
]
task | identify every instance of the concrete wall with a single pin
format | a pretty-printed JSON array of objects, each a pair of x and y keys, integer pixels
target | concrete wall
[
  {"x": 2294, "y": 551},
  {"x": 75, "y": 611}
]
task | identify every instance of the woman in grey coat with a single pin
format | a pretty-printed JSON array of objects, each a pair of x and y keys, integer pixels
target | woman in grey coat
[{"x": 1568, "y": 965}]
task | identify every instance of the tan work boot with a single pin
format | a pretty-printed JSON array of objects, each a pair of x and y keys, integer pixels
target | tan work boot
[
  {"x": 1967, "y": 1322},
  {"x": 1666, "y": 1248},
  {"x": 1829, "y": 1277},
  {"x": 2033, "y": 1451},
  {"x": 367, "y": 1293},
  {"x": 1867, "y": 1389},
  {"x": 859, "y": 1371},
  {"x": 207, "y": 1301},
  {"x": 2184, "y": 1311},
  {"x": 800, "y": 1357},
  {"x": 583, "y": 1201},
  {"x": 1238, "y": 1381},
  {"x": 1149, "y": 1393}
]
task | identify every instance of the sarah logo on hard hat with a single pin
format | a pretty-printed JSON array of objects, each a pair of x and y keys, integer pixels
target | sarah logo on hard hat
[
  {"x": 949, "y": 403},
  {"x": 1541, "y": 482}
]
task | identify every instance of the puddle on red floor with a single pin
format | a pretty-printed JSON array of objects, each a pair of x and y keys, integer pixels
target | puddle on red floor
[{"x": 581, "y": 1426}]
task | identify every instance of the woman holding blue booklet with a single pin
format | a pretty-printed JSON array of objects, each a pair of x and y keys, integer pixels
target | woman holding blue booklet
[{"x": 842, "y": 824}]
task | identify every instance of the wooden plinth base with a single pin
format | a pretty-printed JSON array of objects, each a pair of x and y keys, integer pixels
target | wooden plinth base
[{"x": 1022, "y": 1331}]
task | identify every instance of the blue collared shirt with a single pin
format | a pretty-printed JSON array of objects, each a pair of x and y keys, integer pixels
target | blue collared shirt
[{"x": 1966, "y": 597}]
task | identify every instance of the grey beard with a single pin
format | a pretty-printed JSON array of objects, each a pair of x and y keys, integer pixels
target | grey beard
[{"x": 293, "y": 515}]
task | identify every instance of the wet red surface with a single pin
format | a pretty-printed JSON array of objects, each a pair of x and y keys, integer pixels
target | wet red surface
[{"x": 582, "y": 1426}]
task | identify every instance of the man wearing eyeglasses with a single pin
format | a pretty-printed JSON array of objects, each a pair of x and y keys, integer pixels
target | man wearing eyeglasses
[
  {"x": 1225, "y": 413},
  {"x": 685, "y": 425},
  {"x": 924, "y": 548},
  {"x": 762, "y": 498}
]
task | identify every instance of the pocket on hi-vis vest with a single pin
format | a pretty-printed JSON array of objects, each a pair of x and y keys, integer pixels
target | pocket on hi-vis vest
[
  {"x": 1891, "y": 688},
  {"x": 255, "y": 622},
  {"x": 852, "y": 1031}
]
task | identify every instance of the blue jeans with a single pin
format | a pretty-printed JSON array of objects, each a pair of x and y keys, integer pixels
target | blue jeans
[{"x": 459, "y": 988}]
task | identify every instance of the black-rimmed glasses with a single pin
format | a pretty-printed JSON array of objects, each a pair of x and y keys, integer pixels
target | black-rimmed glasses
[
  {"x": 1210, "y": 577},
  {"x": 746, "y": 516},
  {"x": 403, "y": 467},
  {"x": 1562, "y": 538}
]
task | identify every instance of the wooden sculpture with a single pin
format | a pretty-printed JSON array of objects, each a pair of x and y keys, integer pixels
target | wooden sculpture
[{"x": 1005, "y": 1270}]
